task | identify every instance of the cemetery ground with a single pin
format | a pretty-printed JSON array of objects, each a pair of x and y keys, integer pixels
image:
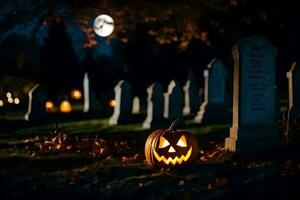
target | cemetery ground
[{"x": 88, "y": 159}]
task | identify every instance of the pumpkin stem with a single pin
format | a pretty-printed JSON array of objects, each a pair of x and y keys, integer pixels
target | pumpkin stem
[{"x": 174, "y": 124}]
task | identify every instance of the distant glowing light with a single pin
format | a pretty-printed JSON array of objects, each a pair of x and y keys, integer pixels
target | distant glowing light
[
  {"x": 17, "y": 101},
  {"x": 112, "y": 103},
  {"x": 65, "y": 106},
  {"x": 8, "y": 95},
  {"x": 10, "y": 100},
  {"x": 1, "y": 103},
  {"x": 76, "y": 94},
  {"x": 103, "y": 25},
  {"x": 49, "y": 106}
]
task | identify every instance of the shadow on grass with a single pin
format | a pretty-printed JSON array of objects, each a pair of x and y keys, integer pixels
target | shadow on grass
[{"x": 46, "y": 163}]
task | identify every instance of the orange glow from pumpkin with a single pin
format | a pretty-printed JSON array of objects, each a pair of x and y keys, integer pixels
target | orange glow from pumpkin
[
  {"x": 49, "y": 106},
  {"x": 65, "y": 106},
  {"x": 112, "y": 103},
  {"x": 173, "y": 161},
  {"x": 76, "y": 94}
]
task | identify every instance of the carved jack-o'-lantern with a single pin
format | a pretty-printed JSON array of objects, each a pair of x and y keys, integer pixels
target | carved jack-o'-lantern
[{"x": 170, "y": 148}]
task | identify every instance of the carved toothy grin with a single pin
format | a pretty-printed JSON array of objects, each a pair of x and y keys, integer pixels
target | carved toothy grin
[{"x": 175, "y": 160}]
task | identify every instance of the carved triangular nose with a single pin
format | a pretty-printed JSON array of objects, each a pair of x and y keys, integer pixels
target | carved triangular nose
[{"x": 171, "y": 150}]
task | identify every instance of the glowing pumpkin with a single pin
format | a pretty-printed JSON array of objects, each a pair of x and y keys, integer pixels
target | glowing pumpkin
[
  {"x": 49, "y": 106},
  {"x": 170, "y": 148},
  {"x": 65, "y": 106},
  {"x": 76, "y": 94}
]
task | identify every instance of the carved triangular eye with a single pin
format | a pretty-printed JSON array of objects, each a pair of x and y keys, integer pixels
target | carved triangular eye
[
  {"x": 182, "y": 142},
  {"x": 163, "y": 142}
]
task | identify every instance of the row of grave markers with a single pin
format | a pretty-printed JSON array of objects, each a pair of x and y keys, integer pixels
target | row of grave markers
[
  {"x": 166, "y": 107},
  {"x": 161, "y": 107},
  {"x": 254, "y": 98}
]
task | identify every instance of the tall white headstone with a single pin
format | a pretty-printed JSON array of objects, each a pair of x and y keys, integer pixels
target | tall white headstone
[
  {"x": 155, "y": 106},
  {"x": 293, "y": 76},
  {"x": 136, "y": 105},
  {"x": 122, "y": 110},
  {"x": 173, "y": 102},
  {"x": 213, "y": 109},
  {"x": 254, "y": 97},
  {"x": 90, "y": 99},
  {"x": 36, "y": 104}
]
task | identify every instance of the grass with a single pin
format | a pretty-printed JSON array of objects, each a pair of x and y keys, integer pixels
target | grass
[
  {"x": 70, "y": 175},
  {"x": 13, "y": 138}
]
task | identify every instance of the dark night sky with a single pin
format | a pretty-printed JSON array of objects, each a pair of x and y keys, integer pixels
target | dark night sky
[{"x": 31, "y": 49}]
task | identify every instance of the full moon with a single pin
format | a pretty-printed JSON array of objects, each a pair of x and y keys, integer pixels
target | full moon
[{"x": 103, "y": 25}]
